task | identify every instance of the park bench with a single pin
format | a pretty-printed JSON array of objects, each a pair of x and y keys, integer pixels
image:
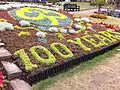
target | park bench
[{"x": 71, "y": 7}]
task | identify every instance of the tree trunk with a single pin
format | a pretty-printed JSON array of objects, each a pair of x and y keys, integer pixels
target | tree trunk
[
  {"x": 117, "y": 2},
  {"x": 114, "y": 7},
  {"x": 99, "y": 8}
]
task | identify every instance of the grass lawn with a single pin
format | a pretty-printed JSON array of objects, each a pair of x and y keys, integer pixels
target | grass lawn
[
  {"x": 84, "y": 5},
  {"x": 77, "y": 69}
]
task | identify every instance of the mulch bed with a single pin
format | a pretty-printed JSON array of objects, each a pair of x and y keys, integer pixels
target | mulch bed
[{"x": 5, "y": 15}]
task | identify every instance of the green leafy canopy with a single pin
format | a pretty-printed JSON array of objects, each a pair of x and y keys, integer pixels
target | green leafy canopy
[{"x": 99, "y": 2}]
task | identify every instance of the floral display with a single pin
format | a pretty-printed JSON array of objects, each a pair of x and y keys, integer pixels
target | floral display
[
  {"x": 96, "y": 41},
  {"x": 24, "y": 33},
  {"x": 85, "y": 19},
  {"x": 45, "y": 40},
  {"x": 57, "y": 47},
  {"x": 78, "y": 26},
  {"x": 72, "y": 31},
  {"x": 40, "y": 34},
  {"x": 3, "y": 81},
  {"x": 6, "y": 26},
  {"x": 49, "y": 59},
  {"x": 77, "y": 19},
  {"x": 53, "y": 29},
  {"x": 63, "y": 30},
  {"x": 24, "y": 23},
  {"x": 100, "y": 16},
  {"x": 25, "y": 59},
  {"x": 41, "y": 17}
]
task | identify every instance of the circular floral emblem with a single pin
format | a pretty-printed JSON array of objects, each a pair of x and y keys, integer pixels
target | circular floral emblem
[{"x": 41, "y": 17}]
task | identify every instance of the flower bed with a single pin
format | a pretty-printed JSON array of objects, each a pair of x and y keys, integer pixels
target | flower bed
[
  {"x": 3, "y": 80},
  {"x": 41, "y": 17},
  {"x": 59, "y": 43},
  {"x": 100, "y": 16}
]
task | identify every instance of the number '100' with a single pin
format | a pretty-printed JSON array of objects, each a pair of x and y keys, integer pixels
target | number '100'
[{"x": 35, "y": 51}]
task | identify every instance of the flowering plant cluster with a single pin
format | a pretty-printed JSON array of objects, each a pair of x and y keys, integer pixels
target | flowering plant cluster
[
  {"x": 19, "y": 5},
  {"x": 54, "y": 37},
  {"x": 6, "y": 26},
  {"x": 115, "y": 27},
  {"x": 100, "y": 16},
  {"x": 3, "y": 81},
  {"x": 41, "y": 17}
]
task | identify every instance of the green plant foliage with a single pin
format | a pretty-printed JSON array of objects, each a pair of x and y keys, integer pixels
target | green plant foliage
[
  {"x": 89, "y": 39},
  {"x": 41, "y": 17},
  {"x": 116, "y": 34},
  {"x": 103, "y": 39},
  {"x": 78, "y": 42},
  {"x": 62, "y": 46},
  {"x": 99, "y": 3},
  {"x": 83, "y": 27},
  {"x": 25, "y": 59},
  {"x": 60, "y": 36},
  {"x": 108, "y": 35},
  {"x": 50, "y": 57}
]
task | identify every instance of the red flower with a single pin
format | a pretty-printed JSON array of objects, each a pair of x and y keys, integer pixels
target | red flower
[
  {"x": 1, "y": 82},
  {"x": 1, "y": 76}
]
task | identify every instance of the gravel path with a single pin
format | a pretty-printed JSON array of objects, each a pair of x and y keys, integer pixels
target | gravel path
[{"x": 105, "y": 76}]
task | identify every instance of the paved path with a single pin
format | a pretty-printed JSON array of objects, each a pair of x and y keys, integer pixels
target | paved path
[
  {"x": 87, "y": 12},
  {"x": 105, "y": 76}
]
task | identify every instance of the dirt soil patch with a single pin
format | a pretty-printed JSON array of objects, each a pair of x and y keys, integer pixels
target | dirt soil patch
[{"x": 106, "y": 76}]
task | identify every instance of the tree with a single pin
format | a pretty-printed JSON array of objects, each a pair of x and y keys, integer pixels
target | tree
[
  {"x": 99, "y": 3},
  {"x": 117, "y": 2},
  {"x": 114, "y": 2}
]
